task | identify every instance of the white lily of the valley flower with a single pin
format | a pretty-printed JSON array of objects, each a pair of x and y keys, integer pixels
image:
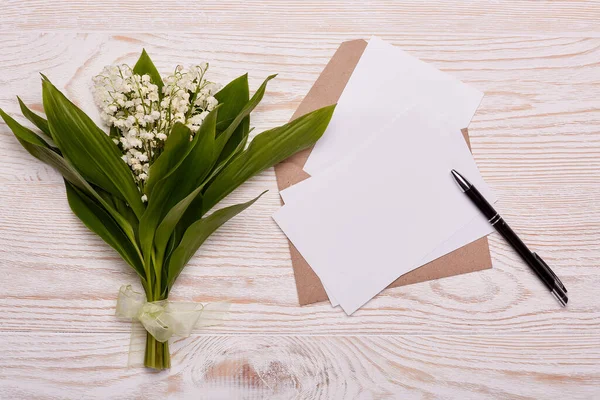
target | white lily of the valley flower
[{"x": 131, "y": 104}]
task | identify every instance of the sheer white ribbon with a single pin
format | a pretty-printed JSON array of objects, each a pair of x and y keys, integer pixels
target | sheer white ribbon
[{"x": 164, "y": 319}]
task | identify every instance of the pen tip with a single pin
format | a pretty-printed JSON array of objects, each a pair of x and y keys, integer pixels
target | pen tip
[{"x": 462, "y": 182}]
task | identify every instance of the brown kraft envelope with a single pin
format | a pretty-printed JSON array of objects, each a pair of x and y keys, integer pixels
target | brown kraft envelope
[{"x": 327, "y": 90}]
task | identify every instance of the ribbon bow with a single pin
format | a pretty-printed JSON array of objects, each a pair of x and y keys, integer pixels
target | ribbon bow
[{"x": 164, "y": 319}]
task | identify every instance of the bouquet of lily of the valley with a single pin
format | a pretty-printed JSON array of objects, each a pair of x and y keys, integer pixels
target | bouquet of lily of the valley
[{"x": 174, "y": 147}]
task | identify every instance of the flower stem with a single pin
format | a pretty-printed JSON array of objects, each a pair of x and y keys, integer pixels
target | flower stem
[{"x": 157, "y": 353}]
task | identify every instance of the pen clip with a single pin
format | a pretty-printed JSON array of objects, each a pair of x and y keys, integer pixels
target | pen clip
[{"x": 549, "y": 270}]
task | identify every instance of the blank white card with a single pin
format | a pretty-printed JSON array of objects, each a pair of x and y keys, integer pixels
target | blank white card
[
  {"x": 385, "y": 82},
  {"x": 373, "y": 217}
]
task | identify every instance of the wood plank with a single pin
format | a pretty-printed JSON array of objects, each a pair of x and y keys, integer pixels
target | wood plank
[
  {"x": 274, "y": 19},
  {"x": 74, "y": 366}
]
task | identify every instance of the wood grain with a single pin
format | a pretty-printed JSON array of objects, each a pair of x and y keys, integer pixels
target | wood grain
[
  {"x": 493, "y": 334},
  {"x": 277, "y": 18},
  {"x": 90, "y": 366}
]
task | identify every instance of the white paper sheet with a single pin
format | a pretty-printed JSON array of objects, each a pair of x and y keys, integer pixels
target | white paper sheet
[
  {"x": 386, "y": 82},
  {"x": 394, "y": 204},
  {"x": 473, "y": 230}
]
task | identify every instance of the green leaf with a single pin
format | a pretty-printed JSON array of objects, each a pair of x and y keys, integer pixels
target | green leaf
[
  {"x": 227, "y": 155},
  {"x": 198, "y": 163},
  {"x": 192, "y": 214},
  {"x": 27, "y": 134},
  {"x": 224, "y": 137},
  {"x": 114, "y": 132},
  {"x": 177, "y": 147},
  {"x": 175, "y": 186},
  {"x": 145, "y": 66},
  {"x": 100, "y": 222},
  {"x": 193, "y": 170},
  {"x": 38, "y": 148},
  {"x": 224, "y": 161},
  {"x": 120, "y": 207},
  {"x": 39, "y": 122},
  {"x": 239, "y": 135},
  {"x": 233, "y": 97},
  {"x": 35, "y": 119},
  {"x": 197, "y": 233},
  {"x": 88, "y": 148},
  {"x": 168, "y": 224},
  {"x": 266, "y": 150},
  {"x": 21, "y": 132},
  {"x": 194, "y": 211}
]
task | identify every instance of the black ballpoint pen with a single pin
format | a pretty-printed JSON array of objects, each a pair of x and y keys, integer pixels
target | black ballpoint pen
[{"x": 536, "y": 263}]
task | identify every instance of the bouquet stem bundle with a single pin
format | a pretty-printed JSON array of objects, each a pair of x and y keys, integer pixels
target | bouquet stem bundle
[
  {"x": 157, "y": 354},
  {"x": 174, "y": 149}
]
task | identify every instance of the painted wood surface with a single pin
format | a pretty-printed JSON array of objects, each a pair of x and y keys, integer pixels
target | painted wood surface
[
  {"x": 90, "y": 366},
  {"x": 493, "y": 334}
]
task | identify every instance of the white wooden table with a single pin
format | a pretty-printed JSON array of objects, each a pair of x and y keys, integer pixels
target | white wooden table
[{"x": 493, "y": 334}]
